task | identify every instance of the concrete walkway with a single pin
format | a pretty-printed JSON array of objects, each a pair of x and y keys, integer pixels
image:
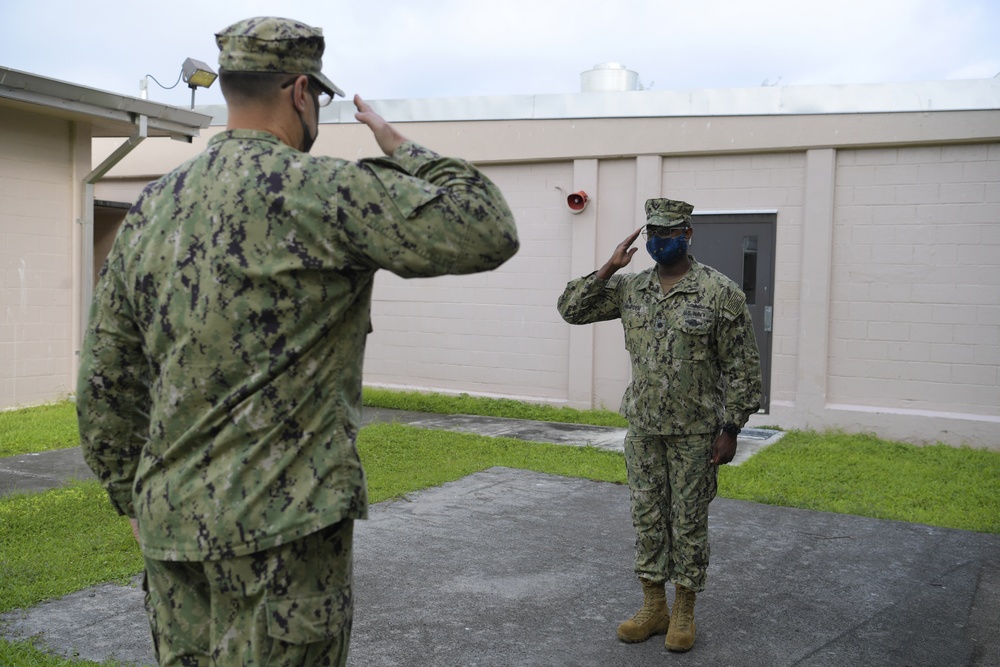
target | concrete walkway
[{"x": 510, "y": 567}]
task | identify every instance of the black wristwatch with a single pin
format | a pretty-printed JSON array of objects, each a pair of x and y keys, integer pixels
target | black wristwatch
[{"x": 731, "y": 429}]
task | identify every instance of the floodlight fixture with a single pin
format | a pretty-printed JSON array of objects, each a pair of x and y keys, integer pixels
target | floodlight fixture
[{"x": 197, "y": 74}]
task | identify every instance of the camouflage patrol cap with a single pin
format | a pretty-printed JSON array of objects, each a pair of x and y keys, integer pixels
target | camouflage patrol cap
[
  {"x": 667, "y": 213},
  {"x": 272, "y": 44}
]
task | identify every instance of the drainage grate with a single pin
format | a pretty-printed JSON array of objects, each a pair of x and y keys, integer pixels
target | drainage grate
[{"x": 758, "y": 433}]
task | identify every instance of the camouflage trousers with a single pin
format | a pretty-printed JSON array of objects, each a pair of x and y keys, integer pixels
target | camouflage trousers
[
  {"x": 290, "y": 605},
  {"x": 671, "y": 482}
]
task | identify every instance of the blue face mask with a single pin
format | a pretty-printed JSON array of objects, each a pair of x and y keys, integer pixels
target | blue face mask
[{"x": 667, "y": 251}]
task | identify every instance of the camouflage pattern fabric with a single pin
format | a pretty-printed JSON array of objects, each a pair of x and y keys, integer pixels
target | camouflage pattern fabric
[
  {"x": 671, "y": 482},
  {"x": 272, "y": 44},
  {"x": 219, "y": 389},
  {"x": 284, "y": 607},
  {"x": 667, "y": 213},
  {"x": 695, "y": 364}
]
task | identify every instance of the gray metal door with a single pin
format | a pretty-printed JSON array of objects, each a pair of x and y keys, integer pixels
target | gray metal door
[{"x": 741, "y": 245}]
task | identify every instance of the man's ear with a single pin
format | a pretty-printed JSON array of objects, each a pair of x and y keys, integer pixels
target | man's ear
[{"x": 300, "y": 91}]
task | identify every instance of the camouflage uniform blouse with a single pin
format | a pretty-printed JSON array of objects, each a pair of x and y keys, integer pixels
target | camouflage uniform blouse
[
  {"x": 695, "y": 365},
  {"x": 220, "y": 381}
]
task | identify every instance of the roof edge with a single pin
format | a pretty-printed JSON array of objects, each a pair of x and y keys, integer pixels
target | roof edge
[
  {"x": 920, "y": 96},
  {"x": 114, "y": 113}
]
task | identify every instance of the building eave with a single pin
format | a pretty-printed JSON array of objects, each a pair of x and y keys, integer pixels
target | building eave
[{"x": 108, "y": 114}]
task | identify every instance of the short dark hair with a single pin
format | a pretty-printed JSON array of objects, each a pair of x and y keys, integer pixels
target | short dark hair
[{"x": 251, "y": 86}]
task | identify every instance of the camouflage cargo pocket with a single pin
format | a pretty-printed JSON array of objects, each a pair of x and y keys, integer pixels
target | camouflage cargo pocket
[{"x": 310, "y": 619}]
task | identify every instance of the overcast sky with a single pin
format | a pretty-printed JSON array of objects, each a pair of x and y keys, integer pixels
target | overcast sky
[{"x": 442, "y": 48}]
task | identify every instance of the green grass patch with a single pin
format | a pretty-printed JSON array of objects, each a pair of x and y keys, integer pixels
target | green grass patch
[
  {"x": 24, "y": 654},
  {"x": 938, "y": 485},
  {"x": 400, "y": 459},
  {"x": 38, "y": 429},
  {"x": 463, "y": 404},
  {"x": 60, "y": 541}
]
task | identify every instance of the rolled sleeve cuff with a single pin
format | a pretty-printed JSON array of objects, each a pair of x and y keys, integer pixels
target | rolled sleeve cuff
[
  {"x": 411, "y": 155},
  {"x": 740, "y": 419}
]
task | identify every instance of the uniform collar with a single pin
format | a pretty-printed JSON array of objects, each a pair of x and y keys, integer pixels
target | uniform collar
[{"x": 244, "y": 135}]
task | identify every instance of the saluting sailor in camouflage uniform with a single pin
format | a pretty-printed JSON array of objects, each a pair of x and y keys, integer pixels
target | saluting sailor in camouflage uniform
[
  {"x": 219, "y": 392},
  {"x": 695, "y": 382}
]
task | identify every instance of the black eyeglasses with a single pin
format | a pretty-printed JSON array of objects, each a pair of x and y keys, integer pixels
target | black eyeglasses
[
  {"x": 664, "y": 232},
  {"x": 322, "y": 97}
]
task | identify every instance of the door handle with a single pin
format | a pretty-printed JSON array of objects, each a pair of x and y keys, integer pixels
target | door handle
[{"x": 768, "y": 318}]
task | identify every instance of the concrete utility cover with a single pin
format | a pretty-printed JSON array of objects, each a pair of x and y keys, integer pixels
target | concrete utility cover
[{"x": 554, "y": 432}]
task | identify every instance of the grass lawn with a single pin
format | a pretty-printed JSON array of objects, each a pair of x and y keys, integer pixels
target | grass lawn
[
  {"x": 38, "y": 429},
  {"x": 463, "y": 404},
  {"x": 44, "y": 553}
]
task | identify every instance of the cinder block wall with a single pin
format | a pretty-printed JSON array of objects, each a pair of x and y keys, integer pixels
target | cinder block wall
[
  {"x": 895, "y": 261},
  {"x": 493, "y": 333},
  {"x": 36, "y": 258},
  {"x": 915, "y": 308}
]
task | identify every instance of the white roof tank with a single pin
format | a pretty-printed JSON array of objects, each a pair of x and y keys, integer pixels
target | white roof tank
[{"x": 608, "y": 78}]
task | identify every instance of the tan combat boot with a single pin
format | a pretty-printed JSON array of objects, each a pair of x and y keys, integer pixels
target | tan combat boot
[
  {"x": 681, "y": 634},
  {"x": 652, "y": 619}
]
